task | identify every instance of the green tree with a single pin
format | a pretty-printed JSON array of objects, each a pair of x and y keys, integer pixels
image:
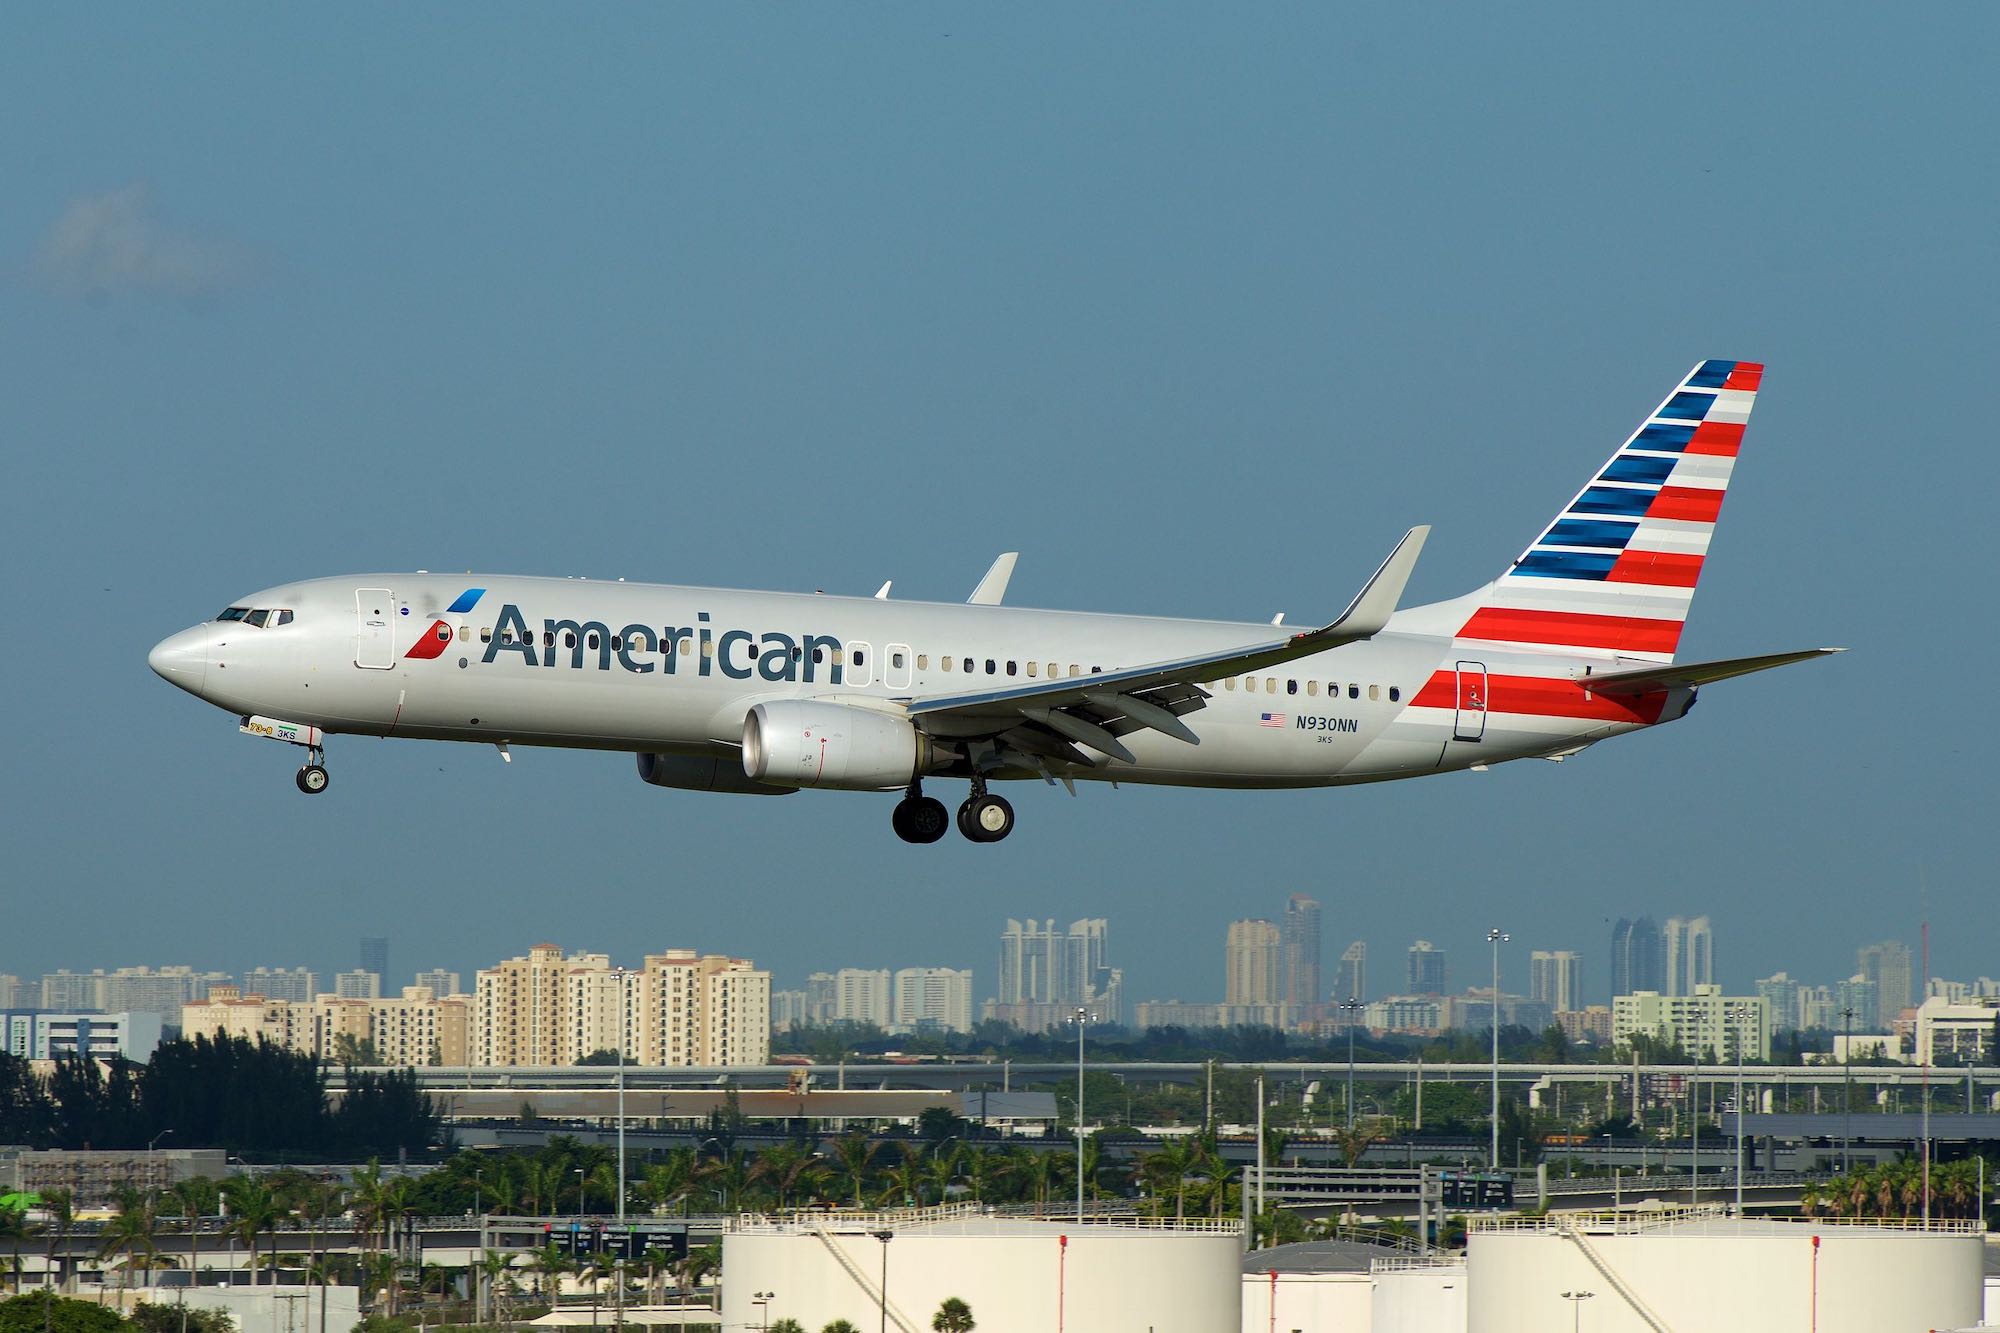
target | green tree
[
  {"x": 195, "y": 1197},
  {"x": 150, "y": 1318},
  {"x": 954, "y": 1316},
  {"x": 840, "y": 1326},
  {"x": 61, "y": 1209},
  {"x": 15, "y": 1228},
  {"x": 787, "y": 1325},
  {"x": 130, "y": 1233},
  {"x": 854, "y": 1158},
  {"x": 254, "y": 1209},
  {"x": 44, "y": 1310}
]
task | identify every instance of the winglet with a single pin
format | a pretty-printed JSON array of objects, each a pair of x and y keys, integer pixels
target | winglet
[
  {"x": 993, "y": 587},
  {"x": 882, "y": 593},
  {"x": 1374, "y": 604}
]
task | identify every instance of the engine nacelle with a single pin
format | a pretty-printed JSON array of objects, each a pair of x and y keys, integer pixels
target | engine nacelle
[
  {"x": 809, "y": 743},
  {"x": 690, "y": 773}
]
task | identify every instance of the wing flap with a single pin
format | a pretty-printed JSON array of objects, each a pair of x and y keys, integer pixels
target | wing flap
[{"x": 1669, "y": 675}]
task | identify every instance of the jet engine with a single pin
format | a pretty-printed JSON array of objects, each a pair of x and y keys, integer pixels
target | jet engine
[
  {"x": 808, "y": 743},
  {"x": 690, "y": 773}
]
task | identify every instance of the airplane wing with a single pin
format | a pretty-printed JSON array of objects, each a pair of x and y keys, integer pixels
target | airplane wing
[
  {"x": 993, "y": 587},
  {"x": 1049, "y": 718},
  {"x": 1668, "y": 675}
]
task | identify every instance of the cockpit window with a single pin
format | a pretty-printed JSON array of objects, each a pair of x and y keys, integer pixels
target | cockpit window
[
  {"x": 234, "y": 613},
  {"x": 258, "y": 618},
  {"x": 281, "y": 617}
]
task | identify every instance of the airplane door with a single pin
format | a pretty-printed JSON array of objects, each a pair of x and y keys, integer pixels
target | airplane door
[
  {"x": 374, "y": 629},
  {"x": 1469, "y": 722}
]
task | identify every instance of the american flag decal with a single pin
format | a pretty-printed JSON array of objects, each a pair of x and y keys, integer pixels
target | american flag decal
[{"x": 1270, "y": 719}]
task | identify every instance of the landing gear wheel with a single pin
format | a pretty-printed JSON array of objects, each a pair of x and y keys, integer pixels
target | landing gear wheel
[
  {"x": 312, "y": 779},
  {"x": 986, "y": 818},
  {"x": 920, "y": 819}
]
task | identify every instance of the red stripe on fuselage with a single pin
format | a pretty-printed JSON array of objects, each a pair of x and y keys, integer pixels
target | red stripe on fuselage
[
  {"x": 1662, "y": 569},
  {"x": 1722, "y": 438},
  {"x": 1747, "y": 375},
  {"x": 432, "y": 644},
  {"x": 1694, "y": 504},
  {"x": 1573, "y": 629},
  {"x": 1542, "y": 696}
]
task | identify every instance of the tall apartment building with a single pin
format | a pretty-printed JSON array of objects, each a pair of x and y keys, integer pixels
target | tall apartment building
[
  {"x": 1253, "y": 963},
  {"x": 677, "y": 1008},
  {"x": 1781, "y": 1000},
  {"x": 1857, "y": 1006},
  {"x": 1707, "y": 1024},
  {"x": 1047, "y": 974},
  {"x": 440, "y": 982},
  {"x": 294, "y": 985},
  {"x": 1427, "y": 969},
  {"x": 1638, "y": 957},
  {"x": 413, "y": 1028},
  {"x": 375, "y": 958},
  {"x": 1555, "y": 978},
  {"x": 1302, "y": 954},
  {"x": 934, "y": 997},
  {"x": 1689, "y": 948},
  {"x": 1350, "y": 979},
  {"x": 861, "y": 995},
  {"x": 10, "y": 991},
  {"x": 360, "y": 984},
  {"x": 1887, "y": 965},
  {"x": 128, "y": 990}
]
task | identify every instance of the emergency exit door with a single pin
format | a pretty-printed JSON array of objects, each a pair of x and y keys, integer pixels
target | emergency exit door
[
  {"x": 374, "y": 629},
  {"x": 1469, "y": 721}
]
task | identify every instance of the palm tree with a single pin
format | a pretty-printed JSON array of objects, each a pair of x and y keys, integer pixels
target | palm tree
[
  {"x": 903, "y": 1182},
  {"x": 255, "y": 1209},
  {"x": 60, "y": 1205},
  {"x": 840, "y": 1326},
  {"x": 130, "y": 1233},
  {"x": 853, "y": 1155},
  {"x": 954, "y": 1316},
  {"x": 727, "y": 1175},
  {"x": 667, "y": 1183},
  {"x": 1169, "y": 1168},
  {"x": 1042, "y": 1170},
  {"x": 548, "y": 1264},
  {"x": 784, "y": 1168},
  {"x": 197, "y": 1197},
  {"x": 14, "y": 1228},
  {"x": 701, "y": 1260},
  {"x": 495, "y": 1267}
]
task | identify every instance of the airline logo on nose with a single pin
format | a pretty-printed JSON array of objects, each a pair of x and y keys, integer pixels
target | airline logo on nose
[{"x": 435, "y": 639}]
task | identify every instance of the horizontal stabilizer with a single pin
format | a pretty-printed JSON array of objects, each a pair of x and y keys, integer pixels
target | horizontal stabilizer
[{"x": 1669, "y": 675}]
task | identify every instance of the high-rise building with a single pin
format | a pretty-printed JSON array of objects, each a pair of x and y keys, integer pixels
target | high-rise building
[
  {"x": 128, "y": 990},
  {"x": 1781, "y": 1001},
  {"x": 375, "y": 958},
  {"x": 1638, "y": 957},
  {"x": 440, "y": 982},
  {"x": 1427, "y": 969},
  {"x": 10, "y": 991},
  {"x": 1555, "y": 978},
  {"x": 1045, "y": 974},
  {"x": 1887, "y": 965},
  {"x": 861, "y": 995},
  {"x": 1707, "y": 1024},
  {"x": 1301, "y": 938},
  {"x": 414, "y": 1028},
  {"x": 360, "y": 984},
  {"x": 1857, "y": 1006},
  {"x": 934, "y": 998},
  {"x": 1350, "y": 980},
  {"x": 293, "y": 985},
  {"x": 44, "y": 1034},
  {"x": 1689, "y": 955},
  {"x": 1253, "y": 963}
]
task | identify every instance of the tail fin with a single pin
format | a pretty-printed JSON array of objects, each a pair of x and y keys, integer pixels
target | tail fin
[{"x": 1616, "y": 571}]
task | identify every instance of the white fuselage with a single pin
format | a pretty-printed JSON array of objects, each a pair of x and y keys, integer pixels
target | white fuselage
[{"x": 579, "y": 663}]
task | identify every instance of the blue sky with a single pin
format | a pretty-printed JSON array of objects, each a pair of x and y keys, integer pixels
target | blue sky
[{"x": 1196, "y": 307}]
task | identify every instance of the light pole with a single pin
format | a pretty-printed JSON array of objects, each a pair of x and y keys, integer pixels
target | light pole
[
  {"x": 1740, "y": 1014},
  {"x": 885, "y": 1237},
  {"x": 1576, "y": 1300},
  {"x": 1082, "y": 1020},
  {"x": 762, "y": 1300},
  {"x": 579, "y": 1192},
  {"x": 151, "y": 1183},
  {"x": 1847, "y": 1092},
  {"x": 1496, "y": 937},
  {"x": 1352, "y": 1008},
  {"x": 621, "y": 974}
]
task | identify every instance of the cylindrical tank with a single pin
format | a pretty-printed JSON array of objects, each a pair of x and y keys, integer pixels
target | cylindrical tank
[
  {"x": 1718, "y": 1274},
  {"x": 1014, "y": 1273}
]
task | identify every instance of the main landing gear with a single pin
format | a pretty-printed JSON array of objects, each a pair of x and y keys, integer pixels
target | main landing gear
[
  {"x": 982, "y": 818},
  {"x": 312, "y": 777}
]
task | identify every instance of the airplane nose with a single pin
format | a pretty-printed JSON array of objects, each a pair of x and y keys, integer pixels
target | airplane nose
[{"x": 182, "y": 659}]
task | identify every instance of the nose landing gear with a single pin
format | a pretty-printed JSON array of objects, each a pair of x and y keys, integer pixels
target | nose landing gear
[{"x": 312, "y": 777}]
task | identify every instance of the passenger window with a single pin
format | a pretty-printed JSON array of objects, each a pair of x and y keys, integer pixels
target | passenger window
[
  {"x": 617, "y": 642},
  {"x": 569, "y": 638},
  {"x": 944, "y": 662},
  {"x": 1291, "y": 687},
  {"x": 1230, "y": 684},
  {"x": 548, "y": 638},
  {"x": 860, "y": 657},
  {"x": 1394, "y": 694},
  {"x": 444, "y": 633},
  {"x": 1010, "y": 667},
  {"x": 896, "y": 659},
  {"x": 1374, "y": 693},
  {"x": 819, "y": 655},
  {"x": 1055, "y": 670},
  {"x": 1270, "y": 684},
  {"x": 486, "y": 634},
  {"x": 1312, "y": 688},
  {"x": 1097, "y": 671},
  {"x": 1354, "y": 691},
  {"x": 1075, "y": 670},
  {"x": 923, "y": 661},
  {"x": 967, "y": 664},
  {"x": 991, "y": 667},
  {"x": 708, "y": 647},
  {"x": 506, "y": 636}
]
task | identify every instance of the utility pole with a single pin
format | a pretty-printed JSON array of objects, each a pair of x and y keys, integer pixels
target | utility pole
[
  {"x": 1352, "y": 1008},
  {"x": 1847, "y": 1093},
  {"x": 1496, "y": 937},
  {"x": 1259, "y": 1214},
  {"x": 1082, "y": 1019}
]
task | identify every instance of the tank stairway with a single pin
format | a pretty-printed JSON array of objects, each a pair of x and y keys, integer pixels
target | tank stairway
[
  {"x": 1610, "y": 1275},
  {"x": 875, "y": 1294}
]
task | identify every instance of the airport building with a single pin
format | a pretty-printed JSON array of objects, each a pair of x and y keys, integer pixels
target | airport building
[{"x": 43, "y": 1034}]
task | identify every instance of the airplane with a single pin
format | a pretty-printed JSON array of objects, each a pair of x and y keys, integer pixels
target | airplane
[{"x": 769, "y": 693}]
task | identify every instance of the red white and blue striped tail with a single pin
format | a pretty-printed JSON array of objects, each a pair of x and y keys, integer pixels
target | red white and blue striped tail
[{"x": 1616, "y": 571}]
